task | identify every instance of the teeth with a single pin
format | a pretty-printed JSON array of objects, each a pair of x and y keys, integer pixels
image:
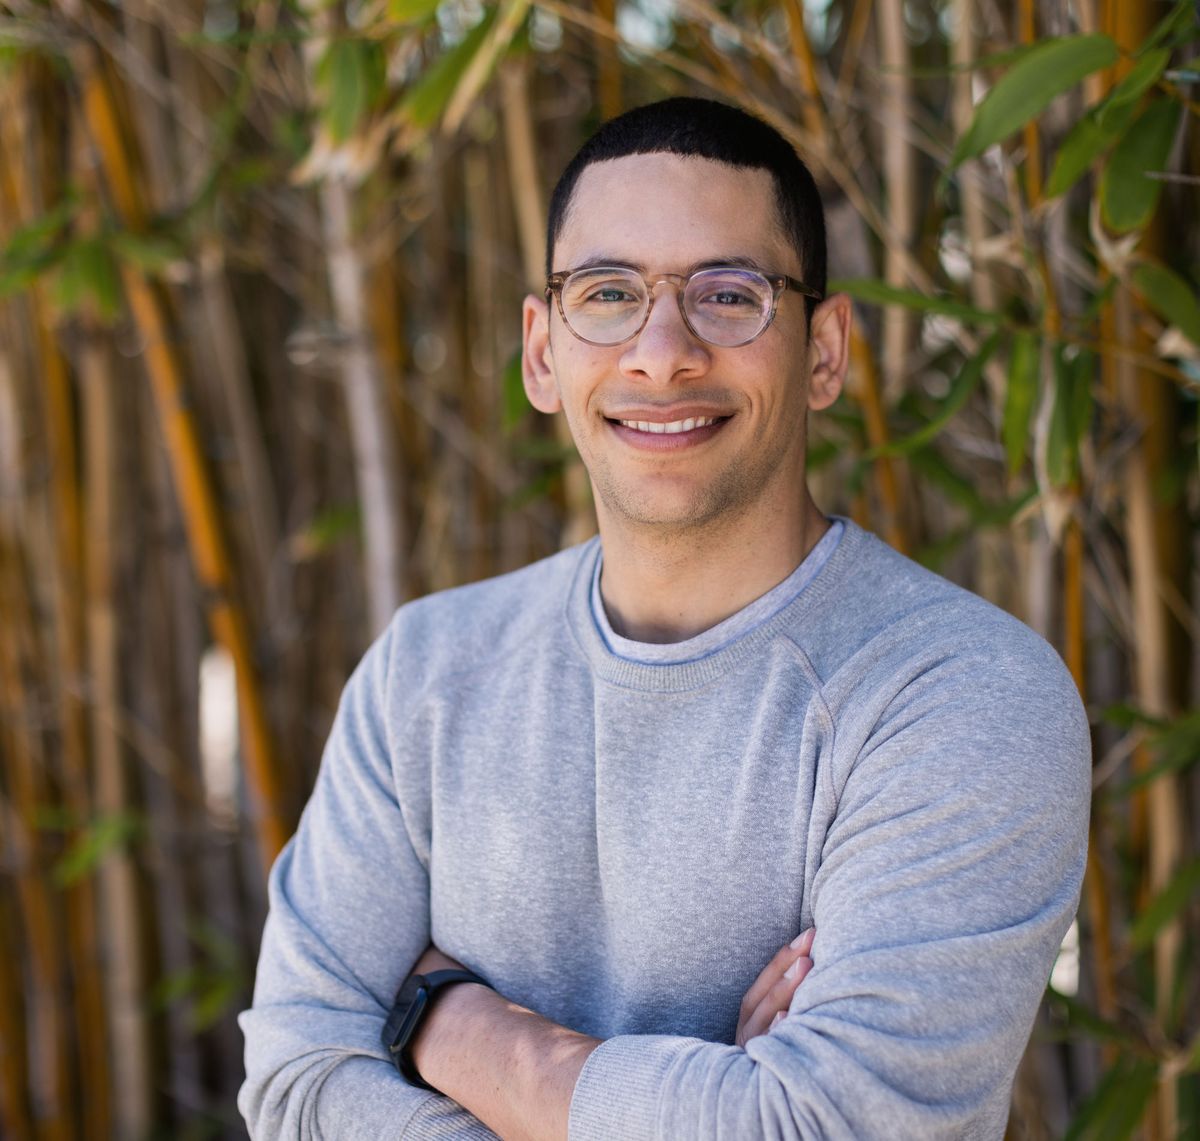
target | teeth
[{"x": 671, "y": 428}]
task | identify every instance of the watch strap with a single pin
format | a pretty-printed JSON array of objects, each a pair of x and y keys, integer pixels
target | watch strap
[{"x": 411, "y": 1007}]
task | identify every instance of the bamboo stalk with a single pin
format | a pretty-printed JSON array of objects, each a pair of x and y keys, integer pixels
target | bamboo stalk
[
  {"x": 608, "y": 66},
  {"x": 374, "y": 449},
  {"x": 15, "y": 1117},
  {"x": 524, "y": 180},
  {"x": 900, "y": 178},
  {"x": 125, "y": 976},
  {"x": 866, "y": 389},
  {"x": 1156, "y": 558},
  {"x": 47, "y": 1019},
  {"x": 63, "y": 574},
  {"x": 197, "y": 497},
  {"x": 970, "y": 175},
  {"x": 814, "y": 107},
  {"x": 869, "y": 393}
]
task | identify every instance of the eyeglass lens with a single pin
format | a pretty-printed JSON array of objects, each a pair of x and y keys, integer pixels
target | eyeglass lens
[{"x": 723, "y": 306}]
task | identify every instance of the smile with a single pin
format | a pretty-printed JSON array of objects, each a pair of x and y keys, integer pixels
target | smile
[{"x": 670, "y": 428}]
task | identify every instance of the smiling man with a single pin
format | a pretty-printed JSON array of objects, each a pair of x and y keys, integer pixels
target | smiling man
[{"x": 575, "y": 827}]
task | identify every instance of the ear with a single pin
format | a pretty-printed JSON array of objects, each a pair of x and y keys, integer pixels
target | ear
[
  {"x": 829, "y": 350},
  {"x": 537, "y": 361}
]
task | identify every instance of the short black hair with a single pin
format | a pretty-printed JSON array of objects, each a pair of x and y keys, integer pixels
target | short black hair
[{"x": 703, "y": 128}]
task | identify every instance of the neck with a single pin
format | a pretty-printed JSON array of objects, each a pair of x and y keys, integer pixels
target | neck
[{"x": 666, "y": 587}]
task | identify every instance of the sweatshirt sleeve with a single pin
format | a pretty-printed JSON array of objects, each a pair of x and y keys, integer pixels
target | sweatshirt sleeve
[
  {"x": 948, "y": 876},
  {"x": 349, "y": 915}
]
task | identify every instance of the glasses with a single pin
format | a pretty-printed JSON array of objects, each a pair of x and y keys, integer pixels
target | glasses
[{"x": 725, "y": 306}]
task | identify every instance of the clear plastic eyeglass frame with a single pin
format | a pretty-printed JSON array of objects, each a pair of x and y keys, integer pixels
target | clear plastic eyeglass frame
[{"x": 777, "y": 282}]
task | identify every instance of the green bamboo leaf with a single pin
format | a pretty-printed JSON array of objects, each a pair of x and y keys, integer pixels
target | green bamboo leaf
[
  {"x": 1127, "y": 196},
  {"x": 966, "y": 383},
  {"x": 875, "y": 292},
  {"x": 1087, "y": 140},
  {"x": 102, "y": 835},
  {"x": 1143, "y": 75},
  {"x": 1192, "y": 1065},
  {"x": 323, "y": 531},
  {"x": 934, "y": 470},
  {"x": 1050, "y": 68},
  {"x": 411, "y": 11},
  {"x": 1113, "y": 1112},
  {"x": 427, "y": 98},
  {"x": 149, "y": 253},
  {"x": 1175, "y": 745},
  {"x": 31, "y": 250},
  {"x": 515, "y": 404},
  {"x": 1178, "y": 26},
  {"x": 86, "y": 275},
  {"x": 1171, "y": 297},
  {"x": 1020, "y": 398},
  {"x": 352, "y": 73},
  {"x": 1081, "y": 1020},
  {"x": 1173, "y": 899},
  {"x": 1070, "y": 415}
]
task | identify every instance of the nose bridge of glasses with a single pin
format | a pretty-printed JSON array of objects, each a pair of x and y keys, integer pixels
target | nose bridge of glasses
[{"x": 678, "y": 280}]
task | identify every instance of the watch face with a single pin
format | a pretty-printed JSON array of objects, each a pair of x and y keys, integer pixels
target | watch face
[{"x": 406, "y": 1013}]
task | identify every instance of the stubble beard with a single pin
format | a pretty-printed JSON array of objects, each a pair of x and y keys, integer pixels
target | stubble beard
[{"x": 671, "y": 513}]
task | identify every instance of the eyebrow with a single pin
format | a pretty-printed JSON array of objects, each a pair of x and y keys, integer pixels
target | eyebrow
[{"x": 738, "y": 261}]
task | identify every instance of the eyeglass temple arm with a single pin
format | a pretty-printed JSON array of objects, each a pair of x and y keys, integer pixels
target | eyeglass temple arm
[{"x": 800, "y": 287}]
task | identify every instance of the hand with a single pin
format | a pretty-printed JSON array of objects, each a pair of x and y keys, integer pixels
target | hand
[{"x": 770, "y": 995}]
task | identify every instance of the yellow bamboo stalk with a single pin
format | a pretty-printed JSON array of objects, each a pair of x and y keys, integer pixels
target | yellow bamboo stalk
[
  {"x": 866, "y": 387},
  {"x": 806, "y": 63},
  {"x": 64, "y": 574},
  {"x": 196, "y": 495},
  {"x": 1154, "y": 545},
  {"x": 856, "y": 35},
  {"x": 869, "y": 393},
  {"x": 15, "y": 1118},
  {"x": 608, "y": 65},
  {"x": 48, "y": 1038},
  {"x": 900, "y": 179}
]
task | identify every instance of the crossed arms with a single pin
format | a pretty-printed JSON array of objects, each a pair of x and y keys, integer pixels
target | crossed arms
[
  {"x": 516, "y": 1071},
  {"x": 941, "y": 880}
]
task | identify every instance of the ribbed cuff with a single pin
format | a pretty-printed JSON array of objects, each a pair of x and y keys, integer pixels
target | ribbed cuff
[
  {"x": 365, "y": 1098},
  {"x": 619, "y": 1088}
]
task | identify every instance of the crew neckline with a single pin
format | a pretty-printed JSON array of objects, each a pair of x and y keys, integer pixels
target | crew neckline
[
  {"x": 675, "y": 676},
  {"x": 725, "y": 632}
]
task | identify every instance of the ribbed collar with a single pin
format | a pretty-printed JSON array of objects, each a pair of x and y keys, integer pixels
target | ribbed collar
[{"x": 681, "y": 676}]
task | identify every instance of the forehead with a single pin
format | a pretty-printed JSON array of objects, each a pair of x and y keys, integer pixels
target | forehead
[{"x": 663, "y": 211}]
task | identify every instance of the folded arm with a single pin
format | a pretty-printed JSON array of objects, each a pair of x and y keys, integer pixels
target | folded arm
[
  {"x": 516, "y": 1070},
  {"x": 948, "y": 877}
]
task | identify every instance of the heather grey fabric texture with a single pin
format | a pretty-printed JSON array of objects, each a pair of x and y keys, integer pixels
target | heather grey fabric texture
[{"x": 622, "y": 847}]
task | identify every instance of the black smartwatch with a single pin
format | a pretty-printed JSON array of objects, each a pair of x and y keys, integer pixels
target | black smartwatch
[{"x": 414, "y": 1001}]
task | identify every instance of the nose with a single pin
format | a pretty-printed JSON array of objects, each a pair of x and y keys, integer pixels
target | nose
[{"x": 665, "y": 350}]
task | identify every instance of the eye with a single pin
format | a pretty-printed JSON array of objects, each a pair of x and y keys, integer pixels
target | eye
[
  {"x": 611, "y": 294},
  {"x": 728, "y": 296},
  {"x": 733, "y": 292}
]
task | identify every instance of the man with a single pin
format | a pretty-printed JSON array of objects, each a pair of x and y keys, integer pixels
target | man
[{"x": 614, "y": 784}]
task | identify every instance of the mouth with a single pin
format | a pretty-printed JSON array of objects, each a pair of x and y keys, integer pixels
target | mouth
[
  {"x": 671, "y": 427},
  {"x": 659, "y": 436}
]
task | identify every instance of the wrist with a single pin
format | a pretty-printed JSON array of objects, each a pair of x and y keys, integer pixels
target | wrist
[{"x": 452, "y": 1021}]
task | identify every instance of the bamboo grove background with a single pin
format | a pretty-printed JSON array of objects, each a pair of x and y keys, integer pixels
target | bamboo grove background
[{"x": 260, "y": 274}]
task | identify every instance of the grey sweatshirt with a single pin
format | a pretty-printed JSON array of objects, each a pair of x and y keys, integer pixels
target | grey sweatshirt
[{"x": 622, "y": 847}]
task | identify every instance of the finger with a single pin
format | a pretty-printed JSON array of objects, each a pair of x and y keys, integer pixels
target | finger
[
  {"x": 777, "y": 1000},
  {"x": 773, "y": 971}
]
